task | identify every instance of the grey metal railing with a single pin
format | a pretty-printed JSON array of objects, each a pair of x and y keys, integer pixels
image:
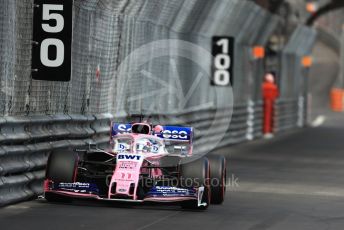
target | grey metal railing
[
  {"x": 27, "y": 141},
  {"x": 286, "y": 114}
]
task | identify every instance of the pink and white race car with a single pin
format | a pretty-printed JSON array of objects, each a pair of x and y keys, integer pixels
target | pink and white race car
[{"x": 145, "y": 164}]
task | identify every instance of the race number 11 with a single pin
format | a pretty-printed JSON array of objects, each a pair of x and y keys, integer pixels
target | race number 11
[
  {"x": 52, "y": 36},
  {"x": 222, "y": 66}
]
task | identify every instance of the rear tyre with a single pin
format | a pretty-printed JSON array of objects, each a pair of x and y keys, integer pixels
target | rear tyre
[
  {"x": 61, "y": 167},
  {"x": 218, "y": 179},
  {"x": 196, "y": 174}
]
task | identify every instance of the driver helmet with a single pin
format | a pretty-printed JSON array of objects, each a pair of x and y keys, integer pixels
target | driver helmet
[{"x": 158, "y": 129}]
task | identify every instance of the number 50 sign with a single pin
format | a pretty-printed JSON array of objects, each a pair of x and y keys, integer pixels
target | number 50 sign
[
  {"x": 222, "y": 66},
  {"x": 52, "y": 40}
]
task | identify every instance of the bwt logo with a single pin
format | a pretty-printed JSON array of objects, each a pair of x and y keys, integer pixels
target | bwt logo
[
  {"x": 175, "y": 134},
  {"x": 128, "y": 157}
]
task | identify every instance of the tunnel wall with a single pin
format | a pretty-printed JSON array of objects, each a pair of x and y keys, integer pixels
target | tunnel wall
[
  {"x": 105, "y": 35},
  {"x": 292, "y": 106}
]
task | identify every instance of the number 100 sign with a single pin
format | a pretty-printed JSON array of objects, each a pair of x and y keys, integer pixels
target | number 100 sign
[
  {"x": 52, "y": 40},
  {"x": 222, "y": 65}
]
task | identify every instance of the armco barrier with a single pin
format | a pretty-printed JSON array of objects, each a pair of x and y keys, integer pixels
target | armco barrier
[
  {"x": 287, "y": 114},
  {"x": 27, "y": 141}
]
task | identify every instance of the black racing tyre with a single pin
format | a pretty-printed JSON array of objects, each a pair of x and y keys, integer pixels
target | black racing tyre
[
  {"x": 196, "y": 174},
  {"x": 61, "y": 167},
  {"x": 218, "y": 179}
]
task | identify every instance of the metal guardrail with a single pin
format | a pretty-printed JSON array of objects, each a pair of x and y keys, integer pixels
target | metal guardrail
[
  {"x": 246, "y": 124},
  {"x": 289, "y": 114},
  {"x": 27, "y": 141}
]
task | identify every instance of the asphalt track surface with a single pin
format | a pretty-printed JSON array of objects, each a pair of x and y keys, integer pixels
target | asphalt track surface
[{"x": 294, "y": 181}]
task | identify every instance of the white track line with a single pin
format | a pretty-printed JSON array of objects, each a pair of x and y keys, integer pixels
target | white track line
[
  {"x": 319, "y": 121},
  {"x": 159, "y": 220}
]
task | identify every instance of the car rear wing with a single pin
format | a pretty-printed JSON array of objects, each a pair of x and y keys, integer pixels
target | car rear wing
[
  {"x": 170, "y": 133},
  {"x": 178, "y": 139}
]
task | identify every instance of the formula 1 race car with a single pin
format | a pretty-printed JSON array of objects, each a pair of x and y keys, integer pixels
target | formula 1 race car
[{"x": 146, "y": 163}]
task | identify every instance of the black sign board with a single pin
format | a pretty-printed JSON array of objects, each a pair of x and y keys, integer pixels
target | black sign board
[
  {"x": 223, "y": 61},
  {"x": 52, "y": 40}
]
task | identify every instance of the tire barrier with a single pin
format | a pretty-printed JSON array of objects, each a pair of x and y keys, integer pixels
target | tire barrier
[{"x": 27, "y": 141}]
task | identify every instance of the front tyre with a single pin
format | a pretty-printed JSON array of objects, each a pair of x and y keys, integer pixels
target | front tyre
[
  {"x": 196, "y": 174},
  {"x": 62, "y": 167}
]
